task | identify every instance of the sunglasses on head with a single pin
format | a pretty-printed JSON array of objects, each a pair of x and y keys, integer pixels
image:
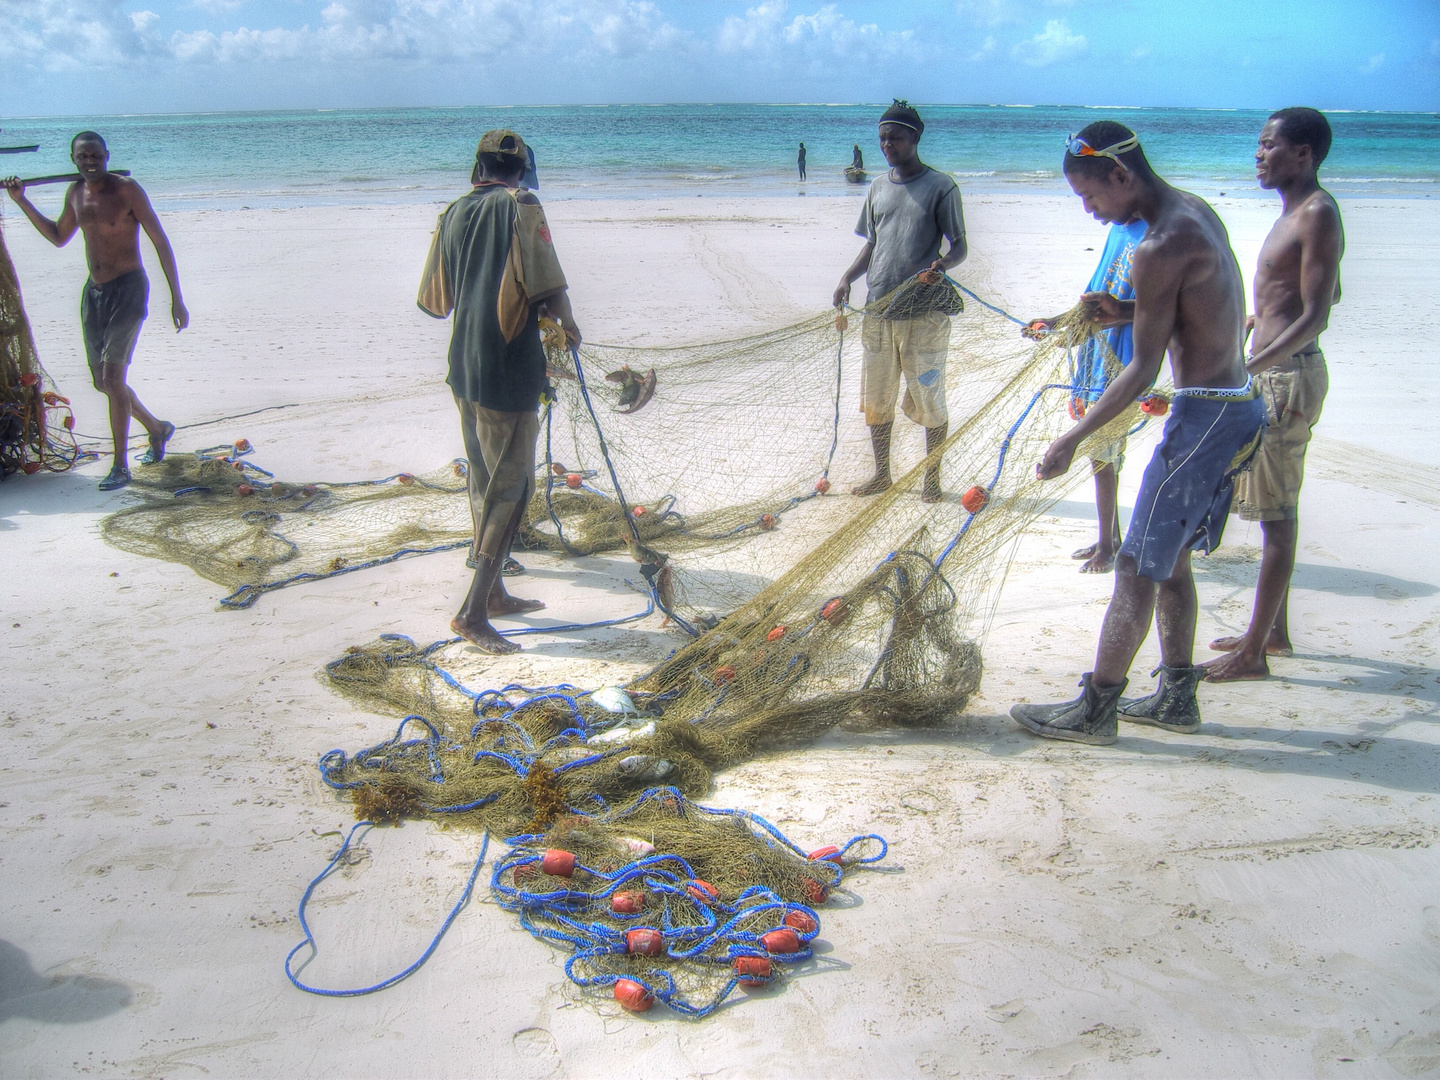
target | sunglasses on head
[{"x": 1075, "y": 146}]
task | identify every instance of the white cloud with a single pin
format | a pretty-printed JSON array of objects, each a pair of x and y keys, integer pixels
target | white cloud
[
  {"x": 1140, "y": 52},
  {"x": 986, "y": 49},
  {"x": 1373, "y": 64},
  {"x": 769, "y": 30},
  {"x": 63, "y": 35},
  {"x": 97, "y": 33},
  {"x": 1053, "y": 44},
  {"x": 218, "y": 7}
]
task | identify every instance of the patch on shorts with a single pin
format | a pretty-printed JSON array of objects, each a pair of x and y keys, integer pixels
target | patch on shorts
[{"x": 928, "y": 379}]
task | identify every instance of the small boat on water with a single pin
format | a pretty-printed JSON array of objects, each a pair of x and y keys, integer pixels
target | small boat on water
[{"x": 854, "y": 175}]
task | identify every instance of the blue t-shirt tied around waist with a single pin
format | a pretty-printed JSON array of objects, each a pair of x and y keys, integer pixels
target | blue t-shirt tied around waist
[{"x": 1112, "y": 275}]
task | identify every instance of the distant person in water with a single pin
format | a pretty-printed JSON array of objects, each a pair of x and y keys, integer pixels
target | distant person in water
[
  {"x": 1189, "y": 301},
  {"x": 111, "y": 210},
  {"x": 1112, "y": 277},
  {"x": 857, "y": 159},
  {"x": 1296, "y": 284},
  {"x": 492, "y": 263},
  {"x": 907, "y": 212},
  {"x": 801, "y": 161}
]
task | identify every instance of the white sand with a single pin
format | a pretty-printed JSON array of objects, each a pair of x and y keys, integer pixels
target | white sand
[{"x": 1258, "y": 898}]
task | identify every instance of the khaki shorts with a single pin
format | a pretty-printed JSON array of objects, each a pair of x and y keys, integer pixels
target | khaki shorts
[
  {"x": 1294, "y": 392},
  {"x": 500, "y": 447},
  {"x": 918, "y": 348}
]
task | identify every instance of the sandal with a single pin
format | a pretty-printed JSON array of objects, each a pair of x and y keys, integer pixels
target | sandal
[{"x": 156, "y": 453}]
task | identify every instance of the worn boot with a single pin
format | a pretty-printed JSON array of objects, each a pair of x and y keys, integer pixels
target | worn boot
[
  {"x": 1090, "y": 718},
  {"x": 1173, "y": 705}
]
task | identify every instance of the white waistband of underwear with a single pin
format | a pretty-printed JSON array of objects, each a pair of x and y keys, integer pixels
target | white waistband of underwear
[{"x": 1217, "y": 391}]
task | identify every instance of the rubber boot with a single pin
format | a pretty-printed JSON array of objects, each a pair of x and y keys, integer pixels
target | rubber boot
[
  {"x": 1090, "y": 718},
  {"x": 1173, "y": 705}
]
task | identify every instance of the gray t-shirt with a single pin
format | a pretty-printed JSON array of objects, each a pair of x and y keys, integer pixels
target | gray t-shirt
[{"x": 905, "y": 222}]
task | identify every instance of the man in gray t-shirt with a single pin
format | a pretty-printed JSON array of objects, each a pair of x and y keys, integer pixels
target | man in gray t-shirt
[{"x": 907, "y": 212}]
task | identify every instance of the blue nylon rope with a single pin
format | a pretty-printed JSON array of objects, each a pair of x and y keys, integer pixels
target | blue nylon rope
[{"x": 293, "y": 975}]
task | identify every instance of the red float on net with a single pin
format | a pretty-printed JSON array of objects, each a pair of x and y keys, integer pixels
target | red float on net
[
  {"x": 627, "y": 903},
  {"x": 974, "y": 499},
  {"x": 753, "y": 970},
  {"x": 573, "y": 480},
  {"x": 828, "y": 853},
  {"x": 781, "y": 940},
  {"x": 558, "y": 863},
  {"x": 644, "y": 941},
  {"x": 801, "y": 922},
  {"x": 822, "y": 485},
  {"x": 632, "y": 996}
]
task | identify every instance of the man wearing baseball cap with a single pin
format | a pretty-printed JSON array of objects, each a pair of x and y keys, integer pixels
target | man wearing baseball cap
[
  {"x": 907, "y": 212},
  {"x": 492, "y": 263}
]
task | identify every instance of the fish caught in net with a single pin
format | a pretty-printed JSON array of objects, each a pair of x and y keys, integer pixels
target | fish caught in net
[{"x": 36, "y": 424}]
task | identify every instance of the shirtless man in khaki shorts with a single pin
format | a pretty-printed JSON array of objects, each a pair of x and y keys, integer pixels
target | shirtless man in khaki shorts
[{"x": 1296, "y": 284}]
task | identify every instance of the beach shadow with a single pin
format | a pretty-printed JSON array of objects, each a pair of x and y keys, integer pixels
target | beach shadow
[
  {"x": 54, "y": 493},
  {"x": 1316, "y": 577},
  {"x": 55, "y": 999},
  {"x": 1367, "y": 756}
]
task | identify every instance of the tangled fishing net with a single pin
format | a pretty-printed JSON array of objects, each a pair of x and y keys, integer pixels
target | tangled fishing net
[
  {"x": 35, "y": 421},
  {"x": 876, "y": 625}
]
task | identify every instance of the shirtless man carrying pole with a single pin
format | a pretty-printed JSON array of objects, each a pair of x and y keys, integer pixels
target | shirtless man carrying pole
[
  {"x": 1296, "y": 284},
  {"x": 1189, "y": 299},
  {"x": 111, "y": 210}
]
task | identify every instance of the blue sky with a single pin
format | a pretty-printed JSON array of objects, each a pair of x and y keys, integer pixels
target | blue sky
[{"x": 103, "y": 56}]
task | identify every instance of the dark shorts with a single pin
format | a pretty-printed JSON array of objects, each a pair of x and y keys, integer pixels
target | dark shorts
[
  {"x": 110, "y": 318},
  {"x": 1188, "y": 484}
]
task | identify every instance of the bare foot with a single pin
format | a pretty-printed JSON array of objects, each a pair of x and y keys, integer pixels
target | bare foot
[
  {"x": 931, "y": 493},
  {"x": 1101, "y": 562},
  {"x": 484, "y": 637},
  {"x": 1085, "y": 552},
  {"x": 1272, "y": 647},
  {"x": 505, "y": 604},
  {"x": 874, "y": 486},
  {"x": 1236, "y": 667}
]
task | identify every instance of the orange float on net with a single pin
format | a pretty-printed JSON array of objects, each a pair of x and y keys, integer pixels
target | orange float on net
[
  {"x": 573, "y": 480},
  {"x": 767, "y": 522},
  {"x": 30, "y": 468},
  {"x": 801, "y": 922},
  {"x": 702, "y": 891},
  {"x": 1076, "y": 408},
  {"x": 781, "y": 940},
  {"x": 558, "y": 469},
  {"x": 776, "y": 634},
  {"x": 627, "y": 903},
  {"x": 724, "y": 674},
  {"x": 644, "y": 941},
  {"x": 242, "y": 446},
  {"x": 238, "y": 466},
  {"x": 29, "y": 379},
  {"x": 558, "y": 863},
  {"x": 753, "y": 970},
  {"x": 638, "y": 511},
  {"x": 822, "y": 485},
  {"x": 974, "y": 499},
  {"x": 835, "y": 610},
  {"x": 245, "y": 489},
  {"x": 633, "y": 996},
  {"x": 828, "y": 853},
  {"x": 816, "y": 892},
  {"x": 526, "y": 872},
  {"x": 309, "y": 489},
  {"x": 842, "y": 322},
  {"x": 405, "y": 478},
  {"x": 1155, "y": 405},
  {"x": 69, "y": 423}
]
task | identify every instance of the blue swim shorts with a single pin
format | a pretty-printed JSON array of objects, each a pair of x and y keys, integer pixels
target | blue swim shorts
[{"x": 1185, "y": 494}]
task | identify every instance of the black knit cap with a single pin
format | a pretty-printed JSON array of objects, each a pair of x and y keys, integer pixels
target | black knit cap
[{"x": 902, "y": 113}]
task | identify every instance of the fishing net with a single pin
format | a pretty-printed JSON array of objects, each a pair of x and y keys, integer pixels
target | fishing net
[
  {"x": 36, "y": 423},
  {"x": 876, "y": 625}
]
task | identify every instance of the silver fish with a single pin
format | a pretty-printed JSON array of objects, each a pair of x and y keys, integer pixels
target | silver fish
[{"x": 645, "y": 767}]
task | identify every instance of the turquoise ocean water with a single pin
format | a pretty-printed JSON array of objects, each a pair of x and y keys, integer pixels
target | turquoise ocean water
[{"x": 367, "y": 157}]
